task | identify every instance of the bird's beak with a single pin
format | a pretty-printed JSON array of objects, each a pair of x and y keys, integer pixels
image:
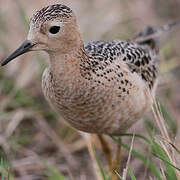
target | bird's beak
[{"x": 25, "y": 47}]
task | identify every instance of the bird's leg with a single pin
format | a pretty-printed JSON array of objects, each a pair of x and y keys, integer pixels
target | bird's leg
[
  {"x": 107, "y": 152},
  {"x": 117, "y": 163},
  {"x": 88, "y": 139}
]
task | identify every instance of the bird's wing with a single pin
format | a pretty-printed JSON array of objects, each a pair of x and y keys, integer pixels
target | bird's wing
[{"x": 139, "y": 58}]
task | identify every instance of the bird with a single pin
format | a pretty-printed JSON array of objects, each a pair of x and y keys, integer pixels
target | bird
[{"x": 100, "y": 87}]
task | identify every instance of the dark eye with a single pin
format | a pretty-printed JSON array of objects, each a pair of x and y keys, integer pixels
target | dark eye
[{"x": 54, "y": 29}]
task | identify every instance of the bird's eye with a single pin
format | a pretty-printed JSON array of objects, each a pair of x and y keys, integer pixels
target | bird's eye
[{"x": 54, "y": 29}]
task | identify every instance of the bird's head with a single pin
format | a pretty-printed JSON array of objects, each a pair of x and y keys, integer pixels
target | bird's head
[{"x": 52, "y": 29}]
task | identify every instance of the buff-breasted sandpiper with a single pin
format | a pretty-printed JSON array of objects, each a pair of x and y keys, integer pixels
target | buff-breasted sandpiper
[{"x": 100, "y": 87}]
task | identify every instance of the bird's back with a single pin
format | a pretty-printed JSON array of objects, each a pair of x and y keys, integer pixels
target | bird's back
[{"x": 139, "y": 58}]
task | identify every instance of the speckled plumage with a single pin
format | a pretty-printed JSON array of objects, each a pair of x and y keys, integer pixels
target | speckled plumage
[
  {"x": 98, "y": 87},
  {"x": 139, "y": 58}
]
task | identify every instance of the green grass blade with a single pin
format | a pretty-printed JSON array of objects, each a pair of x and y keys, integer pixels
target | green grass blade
[
  {"x": 150, "y": 125},
  {"x": 99, "y": 165},
  {"x": 168, "y": 118},
  {"x": 131, "y": 173},
  {"x": 167, "y": 162},
  {"x": 54, "y": 173},
  {"x": 159, "y": 152},
  {"x": 2, "y": 169},
  {"x": 135, "y": 135},
  {"x": 149, "y": 164},
  {"x": 8, "y": 174}
]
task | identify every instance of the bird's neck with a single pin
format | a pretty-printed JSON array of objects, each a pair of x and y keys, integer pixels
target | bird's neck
[{"x": 67, "y": 64}]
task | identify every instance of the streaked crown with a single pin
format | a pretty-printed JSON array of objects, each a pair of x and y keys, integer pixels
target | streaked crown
[{"x": 50, "y": 13}]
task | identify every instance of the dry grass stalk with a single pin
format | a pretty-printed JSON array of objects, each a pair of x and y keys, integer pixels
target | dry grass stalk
[
  {"x": 56, "y": 140},
  {"x": 125, "y": 171},
  {"x": 88, "y": 140},
  {"x": 165, "y": 136}
]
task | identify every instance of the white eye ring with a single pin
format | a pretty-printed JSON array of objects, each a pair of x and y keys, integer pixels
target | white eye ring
[{"x": 54, "y": 29}]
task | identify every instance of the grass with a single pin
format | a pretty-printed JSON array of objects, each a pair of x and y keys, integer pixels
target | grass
[
  {"x": 54, "y": 174},
  {"x": 102, "y": 171},
  {"x": 164, "y": 154},
  {"x": 131, "y": 173},
  {"x": 157, "y": 152},
  {"x": 154, "y": 141},
  {"x": 161, "y": 149},
  {"x": 4, "y": 169}
]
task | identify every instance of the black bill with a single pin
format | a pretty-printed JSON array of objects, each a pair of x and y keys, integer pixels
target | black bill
[{"x": 25, "y": 47}]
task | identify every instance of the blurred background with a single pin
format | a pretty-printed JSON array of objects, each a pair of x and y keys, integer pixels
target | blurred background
[{"x": 33, "y": 141}]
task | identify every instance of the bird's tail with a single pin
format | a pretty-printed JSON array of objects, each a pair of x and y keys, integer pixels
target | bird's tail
[{"x": 150, "y": 34}]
